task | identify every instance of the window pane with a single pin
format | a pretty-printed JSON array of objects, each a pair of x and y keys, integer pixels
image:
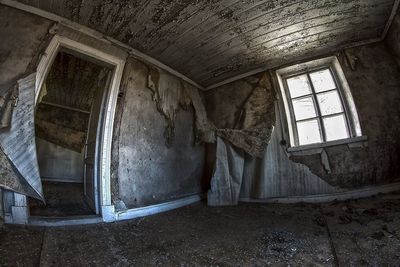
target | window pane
[
  {"x": 335, "y": 128},
  {"x": 304, "y": 108},
  {"x": 298, "y": 86},
  {"x": 322, "y": 80},
  {"x": 330, "y": 103},
  {"x": 309, "y": 132}
]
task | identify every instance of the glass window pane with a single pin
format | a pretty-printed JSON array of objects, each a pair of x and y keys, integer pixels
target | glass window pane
[
  {"x": 322, "y": 80},
  {"x": 309, "y": 132},
  {"x": 304, "y": 108},
  {"x": 298, "y": 86},
  {"x": 330, "y": 103},
  {"x": 335, "y": 128}
]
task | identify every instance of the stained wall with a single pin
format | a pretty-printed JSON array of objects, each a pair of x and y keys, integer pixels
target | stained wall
[
  {"x": 144, "y": 169},
  {"x": 375, "y": 85}
]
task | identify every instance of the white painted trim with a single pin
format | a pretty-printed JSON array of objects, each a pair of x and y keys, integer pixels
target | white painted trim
[
  {"x": 44, "y": 66},
  {"x": 95, "y": 34},
  {"x": 325, "y": 198},
  {"x": 118, "y": 64},
  {"x": 154, "y": 209},
  {"x": 111, "y": 215},
  {"x": 351, "y": 140},
  {"x": 343, "y": 88}
]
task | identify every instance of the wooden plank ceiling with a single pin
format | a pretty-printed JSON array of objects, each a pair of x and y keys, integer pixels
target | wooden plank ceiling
[{"x": 212, "y": 40}]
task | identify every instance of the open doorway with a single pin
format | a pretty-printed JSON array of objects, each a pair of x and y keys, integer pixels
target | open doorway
[{"x": 68, "y": 119}]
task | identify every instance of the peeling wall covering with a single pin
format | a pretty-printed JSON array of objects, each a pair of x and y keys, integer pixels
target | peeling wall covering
[
  {"x": 172, "y": 94},
  {"x": 18, "y": 142},
  {"x": 272, "y": 174},
  {"x": 374, "y": 83},
  {"x": 255, "y": 120},
  {"x": 21, "y": 38},
  {"x": 144, "y": 170}
]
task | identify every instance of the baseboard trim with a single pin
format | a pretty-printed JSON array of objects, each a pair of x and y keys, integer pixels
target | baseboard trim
[
  {"x": 158, "y": 208},
  {"x": 326, "y": 198},
  {"x": 116, "y": 216}
]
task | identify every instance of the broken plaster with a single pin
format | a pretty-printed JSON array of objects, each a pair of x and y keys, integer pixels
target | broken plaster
[
  {"x": 323, "y": 155},
  {"x": 171, "y": 94}
]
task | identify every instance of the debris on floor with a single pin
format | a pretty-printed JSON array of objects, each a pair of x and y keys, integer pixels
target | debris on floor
[{"x": 353, "y": 233}]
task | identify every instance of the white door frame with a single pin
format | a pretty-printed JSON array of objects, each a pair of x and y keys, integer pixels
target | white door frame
[{"x": 58, "y": 42}]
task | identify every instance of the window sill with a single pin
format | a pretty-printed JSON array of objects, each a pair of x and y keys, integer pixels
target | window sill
[{"x": 359, "y": 141}]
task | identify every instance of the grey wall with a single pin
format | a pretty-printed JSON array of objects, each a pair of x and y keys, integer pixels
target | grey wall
[
  {"x": 375, "y": 85},
  {"x": 21, "y": 37},
  {"x": 393, "y": 38},
  {"x": 1, "y": 204},
  {"x": 146, "y": 171},
  {"x": 57, "y": 163}
]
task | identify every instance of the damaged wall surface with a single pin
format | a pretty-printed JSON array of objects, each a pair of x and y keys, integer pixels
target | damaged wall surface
[
  {"x": 147, "y": 171},
  {"x": 23, "y": 38},
  {"x": 375, "y": 82},
  {"x": 144, "y": 170},
  {"x": 271, "y": 174},
  {"x": 210, "y": 41},
  {"x": 160, "y": 119}
]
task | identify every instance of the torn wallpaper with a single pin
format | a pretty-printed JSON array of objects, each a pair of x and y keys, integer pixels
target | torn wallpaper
[{"x": 18, "y": 144}]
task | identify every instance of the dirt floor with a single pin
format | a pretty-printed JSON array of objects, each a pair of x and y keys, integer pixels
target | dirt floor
[{"x": 355, "y": 233}]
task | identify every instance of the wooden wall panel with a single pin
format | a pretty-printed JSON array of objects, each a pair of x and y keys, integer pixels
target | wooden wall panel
[{"x": 210, "y": 41}]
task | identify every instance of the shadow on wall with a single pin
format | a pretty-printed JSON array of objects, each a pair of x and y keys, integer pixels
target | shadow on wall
[
  {"x": 144, "y": 169},
  {"x": 276, "y": 176}
]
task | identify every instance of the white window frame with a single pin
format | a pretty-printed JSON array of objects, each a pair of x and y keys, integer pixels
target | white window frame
[{"x": 343, "y": 88}]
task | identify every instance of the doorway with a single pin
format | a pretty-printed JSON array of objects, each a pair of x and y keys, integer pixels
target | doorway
[{"x": 68, "y": 122}]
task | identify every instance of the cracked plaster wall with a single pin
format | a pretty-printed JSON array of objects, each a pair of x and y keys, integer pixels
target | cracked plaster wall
[
  {"x": 145, "y": 171},
  {"x": 375, "y": 85}
]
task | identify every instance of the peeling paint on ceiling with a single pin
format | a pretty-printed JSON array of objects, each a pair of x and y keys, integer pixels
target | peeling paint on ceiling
[{"x": 210, "y": 41}]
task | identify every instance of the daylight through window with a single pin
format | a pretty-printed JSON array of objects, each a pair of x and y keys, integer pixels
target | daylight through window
[{"x": 319, "y": 105}]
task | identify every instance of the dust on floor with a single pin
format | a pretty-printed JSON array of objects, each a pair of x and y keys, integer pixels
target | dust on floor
[{"x": 360, "y": 232}]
